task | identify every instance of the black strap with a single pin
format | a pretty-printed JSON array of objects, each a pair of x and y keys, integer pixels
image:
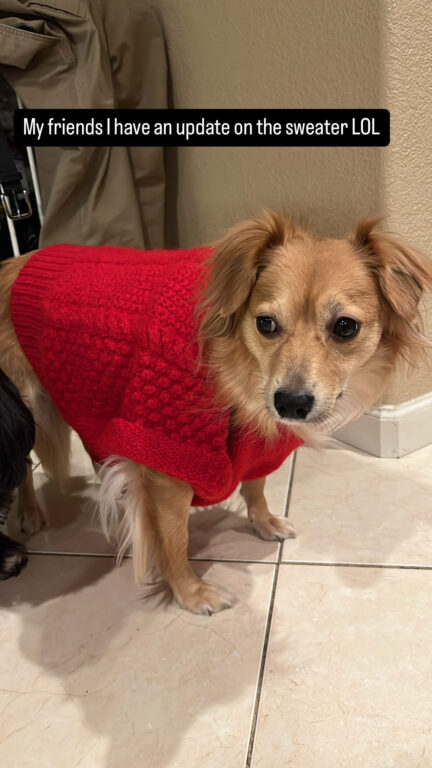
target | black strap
[
  {"x": 10, "y": 177},
  {"x": 12, "y": 192}
]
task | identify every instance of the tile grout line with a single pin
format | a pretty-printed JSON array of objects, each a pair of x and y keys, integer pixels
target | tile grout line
[
  {"x": 328, "y": 564},
  {"x": 342, "y": 564},
  {"x": 257, "y": 702},
  {"x": 113, "y": 555},
  {"x": 290, "y": 484}
]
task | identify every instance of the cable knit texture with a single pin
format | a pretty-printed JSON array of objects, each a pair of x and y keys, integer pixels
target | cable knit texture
[{"x": 110, "y": 333}]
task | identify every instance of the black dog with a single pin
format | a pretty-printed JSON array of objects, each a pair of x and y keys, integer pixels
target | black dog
[{"x": 17, "y": 436}]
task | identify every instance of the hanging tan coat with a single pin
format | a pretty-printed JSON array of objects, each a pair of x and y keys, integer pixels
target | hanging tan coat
[{"x": 91, "y": 54}]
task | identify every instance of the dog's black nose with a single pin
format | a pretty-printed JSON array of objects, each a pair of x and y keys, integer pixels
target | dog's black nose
[{"x": 293, "y": 405}]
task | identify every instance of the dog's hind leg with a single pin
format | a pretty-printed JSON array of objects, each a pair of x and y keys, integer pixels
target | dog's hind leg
[
  {"x": 52, "y": 444},
  {"x": 52, "y": 433},
  {"x": 267, "y": 525},
  {"x": 30, "y": 515}
]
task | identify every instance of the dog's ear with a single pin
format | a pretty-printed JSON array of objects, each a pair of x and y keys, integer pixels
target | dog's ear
[
  {"x": 233, "y": 268},
  {"x": 402, "y": 276},
  {"x": 401, "y": 273},
  {"x": 240, "y": 256}
]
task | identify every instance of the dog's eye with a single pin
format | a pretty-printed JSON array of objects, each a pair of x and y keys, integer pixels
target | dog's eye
[
  {"x": 266, "y": 325},
  {"x": 346, "y": 328}
]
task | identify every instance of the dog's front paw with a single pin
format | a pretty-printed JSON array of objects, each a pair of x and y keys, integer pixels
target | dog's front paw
[
  {"x": 272, "y": 528},
  {"x": 205, "y": 598},
  {"x": 13, "y": 557},
  {"x": 31, "y": 519}
]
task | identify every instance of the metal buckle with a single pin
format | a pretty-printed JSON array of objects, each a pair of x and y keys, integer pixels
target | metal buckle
[{"x": 14, "y": 212}]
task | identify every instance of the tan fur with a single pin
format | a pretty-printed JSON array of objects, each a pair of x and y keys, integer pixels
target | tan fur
[
  {"x": 30, "y": 514},
  {"x": 270, "y": 266}
]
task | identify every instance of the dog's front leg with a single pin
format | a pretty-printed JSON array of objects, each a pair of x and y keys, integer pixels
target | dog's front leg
[
  {"x": 169, "y": 502},
  {"x": 268, "y": 526},
  {"x": 30, "y": 515}
]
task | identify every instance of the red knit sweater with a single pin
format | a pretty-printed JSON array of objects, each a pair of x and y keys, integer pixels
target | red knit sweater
[{"x": 110, "y": 333}]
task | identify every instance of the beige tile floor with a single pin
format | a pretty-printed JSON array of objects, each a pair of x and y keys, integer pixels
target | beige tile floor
[{"x": 325, "y": 661}]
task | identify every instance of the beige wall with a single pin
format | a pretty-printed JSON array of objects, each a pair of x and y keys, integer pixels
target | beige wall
[
  {"x": 292, "y": 53},
  {"x": 407, "y": 163}
]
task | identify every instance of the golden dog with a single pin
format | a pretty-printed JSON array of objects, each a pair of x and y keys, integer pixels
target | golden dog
[{"x": 293, "y": 330}]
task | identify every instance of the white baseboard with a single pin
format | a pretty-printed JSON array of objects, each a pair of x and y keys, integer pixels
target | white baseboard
[{"x": 391, "y": 431}]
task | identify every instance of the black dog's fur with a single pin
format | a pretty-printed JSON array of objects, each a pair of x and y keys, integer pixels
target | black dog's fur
[{"x": 17, "y": 436}]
